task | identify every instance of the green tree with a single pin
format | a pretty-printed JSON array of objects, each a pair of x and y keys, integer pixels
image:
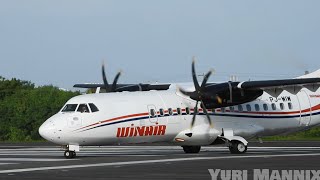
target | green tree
[
  {"x": 24, "y": 107},
  {"x": 9, "y": 87}
]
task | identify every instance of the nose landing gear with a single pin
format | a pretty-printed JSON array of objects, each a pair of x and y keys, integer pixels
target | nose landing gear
[
  {"x": 70, "y": 151},
  {"x": 70, "y": 154}
]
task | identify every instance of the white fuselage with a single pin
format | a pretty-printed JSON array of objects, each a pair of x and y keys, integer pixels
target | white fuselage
[{"x": 127, "y": 117}]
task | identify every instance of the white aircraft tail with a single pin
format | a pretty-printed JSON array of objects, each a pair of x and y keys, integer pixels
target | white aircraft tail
[{"x": 315, "y": 74}]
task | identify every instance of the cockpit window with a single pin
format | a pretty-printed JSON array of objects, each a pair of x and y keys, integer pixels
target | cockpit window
[
  {"x": 70, "y": 108},
  {"x": 93, "y": 107},
  {"x": 83, "y": 108}
]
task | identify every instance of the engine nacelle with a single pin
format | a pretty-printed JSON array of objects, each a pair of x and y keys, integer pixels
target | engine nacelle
[
  {"x": 229, "y": 95},
  {"x": 197, "y": 136}
]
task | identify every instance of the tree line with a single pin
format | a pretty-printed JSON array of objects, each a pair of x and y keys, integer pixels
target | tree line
[{"x": 24, "y": 107}]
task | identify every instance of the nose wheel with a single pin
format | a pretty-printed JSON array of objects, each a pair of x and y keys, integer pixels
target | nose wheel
[{"x": 70, "y": 154}]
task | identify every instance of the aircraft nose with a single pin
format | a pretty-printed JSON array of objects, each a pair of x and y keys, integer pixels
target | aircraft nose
[{"x": 47, "y": 131}]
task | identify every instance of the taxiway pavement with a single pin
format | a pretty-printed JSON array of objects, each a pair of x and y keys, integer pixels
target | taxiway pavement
[{"x": 46, "y": 161}]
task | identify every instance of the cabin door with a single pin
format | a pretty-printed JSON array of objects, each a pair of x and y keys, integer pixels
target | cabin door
[
  {"x": 305, "y": 108},
  {"x": 153, "y": 114}
]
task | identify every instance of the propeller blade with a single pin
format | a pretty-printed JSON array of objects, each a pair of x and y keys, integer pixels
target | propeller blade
[
  {"x": 194, "y": 75},
  {"x": 195, "y": 112},
  {"x": 187, "y": 93},
  {"x": 205, "y": 79},
  {"x": 206, "y": 113},
  {"x": 200, "y": 94},
  {"x": 114, "y": 84},
  {"x": 106, "y": 84}
]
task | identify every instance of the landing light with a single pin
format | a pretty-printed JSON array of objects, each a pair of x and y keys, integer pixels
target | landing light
[{"x": 179, "y": 140}]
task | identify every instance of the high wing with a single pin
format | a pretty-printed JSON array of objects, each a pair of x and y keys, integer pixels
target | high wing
[
  {"x": 275, "y": 87},
  {"x": 234, "y": 93},
  {"x": 115, "y": 87},
  {"x": 127, "y": 87},
  {"x": 278, "y": 83}
]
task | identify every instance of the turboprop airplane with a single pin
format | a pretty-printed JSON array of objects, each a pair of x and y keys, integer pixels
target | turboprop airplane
[{"x": 188, "y": 115}]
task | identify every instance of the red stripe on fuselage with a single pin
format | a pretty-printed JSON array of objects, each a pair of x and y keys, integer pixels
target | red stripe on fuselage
[{"x": 117, "y": 118}]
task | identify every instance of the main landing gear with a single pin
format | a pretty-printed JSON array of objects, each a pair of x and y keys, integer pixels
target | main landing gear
[
  {"x": 70, "y": 151},
  {"x": 191, "y": 149},
  {"x": 237, "y": 147}
]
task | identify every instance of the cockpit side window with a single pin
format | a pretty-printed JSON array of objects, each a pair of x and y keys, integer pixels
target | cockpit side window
[
  {"x": 83, "y": 108},
  {"x": 93, "y": 107},
  {"x": 70, "y": 108}
]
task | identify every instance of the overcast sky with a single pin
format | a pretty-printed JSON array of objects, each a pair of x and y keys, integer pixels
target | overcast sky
[{"x": 63, "y": 42}]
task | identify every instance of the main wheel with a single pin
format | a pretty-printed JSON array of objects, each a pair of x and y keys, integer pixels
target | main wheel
[
  {"x": 237, "y": 147},
  {"x": 69, "y": 154},
  {"x": 191, "y": 149}
]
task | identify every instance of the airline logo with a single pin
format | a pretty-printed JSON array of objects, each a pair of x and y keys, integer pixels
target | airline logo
[{"x": 132, "y": 131}]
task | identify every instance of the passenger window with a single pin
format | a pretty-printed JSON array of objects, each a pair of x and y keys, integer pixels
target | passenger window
[
  {"x": 290, "y": 105},
  {"x": 187, "y": 110},
  {"x": 248, "y": 106},
  {"x": 83, "y": 108},
  {"x": 231, "y": 109},
  {"x": 70, "y": 108},
  {"x": 170, "y": 111},
  {"x": 152, "y": 113},
  {"x": 179, "y": 111},
  {"x": 281, "y": 106},
  {"x": 240, "y": 108},
  {"x": 161, "y": 112},
  {"x": 265, "y": 107},
  {"x": 93, "y": 107},
  {"x": 257, "y": 107},
  {"x": 273, "y": 106}
]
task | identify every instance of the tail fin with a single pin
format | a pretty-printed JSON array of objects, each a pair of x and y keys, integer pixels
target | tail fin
[{"x": 315, "y": 74}]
